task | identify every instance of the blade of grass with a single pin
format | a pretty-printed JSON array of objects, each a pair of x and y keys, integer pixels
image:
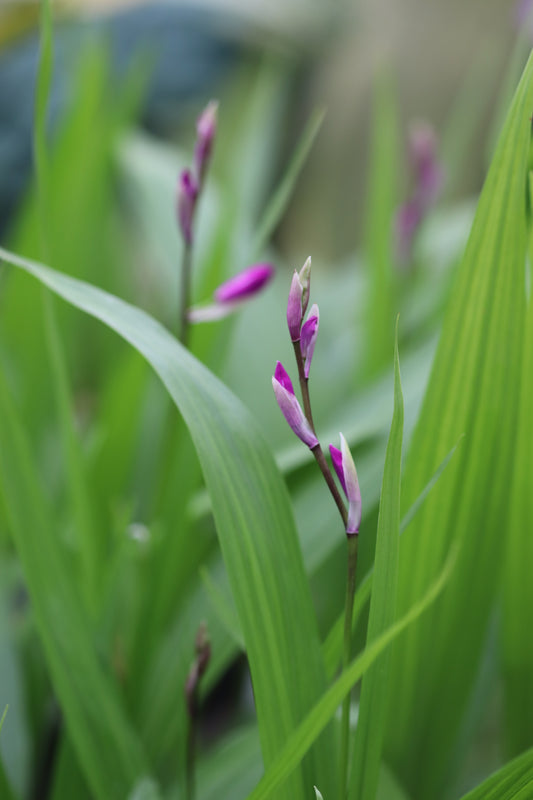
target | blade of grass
[
  {"x": 370, "y": 731},
  {"x": 280, "y": 199},
  {"x": 473, "y": 389},
  {"x": 303, "y": 737},
  {"x": 254, "y": 523}
]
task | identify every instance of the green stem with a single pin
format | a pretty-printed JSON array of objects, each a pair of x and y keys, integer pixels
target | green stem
[
  {"x": 186, "y": 264},
  {"x": 332, "y": 486},
  {"x": 348, "y": 613},
  {"x": 191, "y": 755}
]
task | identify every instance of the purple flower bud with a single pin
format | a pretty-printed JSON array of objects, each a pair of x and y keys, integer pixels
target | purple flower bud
[
  {"x": 187, "y": 194},
  {"x": 245, "y": 284},
  {"x": 428, "y": 173},
  {"x": 294, "y": 307},
  {"x": 206, "y": 128},
  {"x": 428, "y": 179},
  {"x": 345, "y": 468},
  {"x": 308, "y": 338},
  {"x": 290, "y": 407},
  {"x": 305, "y": 280},
  {"x": 233, "y": 293}
]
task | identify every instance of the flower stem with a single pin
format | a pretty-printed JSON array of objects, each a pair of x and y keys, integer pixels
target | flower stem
[
  {"x": 332, "y": 486},
  {"x": 186, "y": 263},
  {"x": 348, "y": 614}
]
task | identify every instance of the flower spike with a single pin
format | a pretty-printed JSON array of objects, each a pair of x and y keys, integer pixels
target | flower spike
[
  {"x": 345, "y": 468},
  {"x": 290, "y": 407},
  {"x": 308, "y": 336}
]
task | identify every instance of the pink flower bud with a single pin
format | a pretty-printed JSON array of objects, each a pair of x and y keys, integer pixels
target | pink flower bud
[
  {"x": 187, "y": 195},
  {"x": 344, "y": 466},
  {"x": 246, "y": 284},
  {"x": 290, "y": 407},
  {"x": 305, "y": 280},
  {"x": 294, "y": 307},
  {"x": 308, "y": 336}
]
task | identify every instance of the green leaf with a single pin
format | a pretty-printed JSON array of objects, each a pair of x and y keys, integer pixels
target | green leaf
[
  {"x": 370, "y": 731},
  {"x": 254, "y": 522},
  {"x": 106, "y": 746},
  {"x": 517, "y": 642},
  {"x": 302, "y": 738},
  {"x": 512, "y": 782},
  {"x": 473, "y": 389}
]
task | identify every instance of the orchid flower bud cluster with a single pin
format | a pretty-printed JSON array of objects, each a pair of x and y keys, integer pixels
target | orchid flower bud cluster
[
  {"x": 303, "y": 336},
  {"x": 191, "y": 182}
]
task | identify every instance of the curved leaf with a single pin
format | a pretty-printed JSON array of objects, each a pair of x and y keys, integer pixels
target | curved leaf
[{"x": 254, "y": 522}]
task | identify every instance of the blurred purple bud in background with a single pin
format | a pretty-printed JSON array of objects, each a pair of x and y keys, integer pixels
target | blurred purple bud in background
[
  {"x": 290, "y": 407},
  {"x": 206, "y": 129},
  {"x": 428, "y": 180},
  {"x": 308, "y": 338},
  {"x": 344, "y": 466},
  {"x": 233, "y": 293},
  {"x": 245, "y": 284},
  {"x": 186, "y": 203}
]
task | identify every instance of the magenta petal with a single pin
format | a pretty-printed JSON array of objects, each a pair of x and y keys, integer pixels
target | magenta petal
[
  {"x": 245, "y": 284},
  {"x": 336, "y": 459},
  {"x": 282, "y": 376},
  {"x": 293, "y": 414}
]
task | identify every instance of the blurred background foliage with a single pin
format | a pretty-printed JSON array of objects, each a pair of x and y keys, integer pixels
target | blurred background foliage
[{"x": 129, "y": 81}]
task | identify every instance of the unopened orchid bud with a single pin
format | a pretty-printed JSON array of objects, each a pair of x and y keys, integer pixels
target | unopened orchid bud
[
  {"x": 290, "y": 407},
  {"x": 233, "y": 293},
  {"x": 308, "y": 336},
  {"x": 294, "y": 307},
  {"x": 305, "y": 280},
  {"x": 428, "y": 172},
  {"x": 187, "y": 195},
  {"x": 202, "y": 649},
  {"x": 344, "y": 466},
  {"x": 206, "y": 128}
]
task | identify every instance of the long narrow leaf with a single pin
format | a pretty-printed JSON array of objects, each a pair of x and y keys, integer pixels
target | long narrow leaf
[
  {"x": 253, "y": 519},
  {"x": 473, "y": 389},
  {"x": 370, "y": 730}
]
